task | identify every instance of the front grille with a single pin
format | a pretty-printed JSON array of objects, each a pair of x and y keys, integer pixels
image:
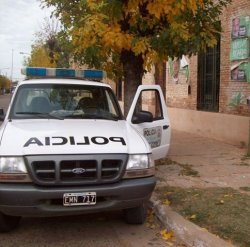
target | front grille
[
  {"x": 110, "y": 168},
  {"x": 76, "y": 169},
  {"x": 83, "y": 170},
  {"x": 45, "y": 170}
]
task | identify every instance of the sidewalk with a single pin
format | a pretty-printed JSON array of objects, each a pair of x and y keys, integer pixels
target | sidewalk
[{"x": 217, "y": 165}]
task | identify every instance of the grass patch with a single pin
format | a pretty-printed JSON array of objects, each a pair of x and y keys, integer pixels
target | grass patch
[
  {"x": 165, "y": 161},
  {"x": 245, "y": 189},
  {"x": 186, "y": 169},
  {"x": 246, "y": 157},
  {"x": 223, "y": 211},
  {"x": 244, "y": 164}
]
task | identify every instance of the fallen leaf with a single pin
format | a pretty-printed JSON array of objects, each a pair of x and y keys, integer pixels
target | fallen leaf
[
  {"x": 166, "y": 235},
  {"x": 167, "y": 202},
  {"x": 170, "y": 244},
  {"x": 228, "y": 195},
  {"x": 168, "y": 193},
  {"x": 221, "y": 202},
  {"x": 192, "y": 217},
  {"x": 204, "y": 229},
  {"x": 150, "y": 211},
  {"x": 150, "y": 216},
  {"x": 152, "y": 226}
]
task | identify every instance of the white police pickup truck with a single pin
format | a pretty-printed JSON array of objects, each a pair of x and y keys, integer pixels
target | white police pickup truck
[{"x": 65, "y": 147}]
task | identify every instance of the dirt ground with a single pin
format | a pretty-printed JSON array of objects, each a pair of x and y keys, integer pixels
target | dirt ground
[
  {"x": 195, "y": 161},
  {"x": 208, "y": 183}
]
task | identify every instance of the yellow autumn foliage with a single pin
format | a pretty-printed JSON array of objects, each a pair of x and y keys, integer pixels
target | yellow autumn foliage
[
  {"x": 40, "y": 58},
  {"x": 115, "y": 38},
  {"x": 106, "y": 30},
  {"x": 150, "y": 29},
  {"x": 166, "y": 235}
]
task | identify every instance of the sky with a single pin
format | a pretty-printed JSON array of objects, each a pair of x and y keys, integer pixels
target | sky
[{"x": 19, "y": 21}]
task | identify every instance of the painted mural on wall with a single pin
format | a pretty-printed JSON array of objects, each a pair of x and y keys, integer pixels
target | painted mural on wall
[
  {"x": 240, "y": 27},
  {"x": 179, "y": 70},
  {"x": 240, "y": 49},
  {"x": 240, "y": 72}
]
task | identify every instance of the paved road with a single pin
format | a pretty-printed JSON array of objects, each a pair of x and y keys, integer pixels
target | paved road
[{"x": 97, "y": 230}]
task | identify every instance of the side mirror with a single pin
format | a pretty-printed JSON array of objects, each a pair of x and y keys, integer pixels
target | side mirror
[
  {"x": 1, "y": 115},
  {"x": 142, "y": 117}
]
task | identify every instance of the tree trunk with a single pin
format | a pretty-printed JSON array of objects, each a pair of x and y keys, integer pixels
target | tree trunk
[
  {"x": 133, "y": 72},
  {"x": 160, "y": 76}
]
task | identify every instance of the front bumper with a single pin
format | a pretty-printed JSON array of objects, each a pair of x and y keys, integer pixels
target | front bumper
[{"x": 31, "y": 200}]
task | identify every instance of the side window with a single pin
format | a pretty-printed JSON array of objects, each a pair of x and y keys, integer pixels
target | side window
[
  {"x": 22, "y": 100},
  {"x": 149, "y": 100}
]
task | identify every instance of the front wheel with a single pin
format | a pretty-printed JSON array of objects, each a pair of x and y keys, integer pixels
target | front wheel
[
  {"x": 8, "y": 222},
  {"x": 135, "y": 215}
]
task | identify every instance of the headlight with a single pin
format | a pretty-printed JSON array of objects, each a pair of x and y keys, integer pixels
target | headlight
[
  {"x": 139, "y": 165},
  {"x": 13, "y": 169}
]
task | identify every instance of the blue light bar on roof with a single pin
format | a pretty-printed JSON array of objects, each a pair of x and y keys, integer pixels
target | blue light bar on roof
[
  {"x": 63, "y": 73},
  {"x": 36, "y": 71}
]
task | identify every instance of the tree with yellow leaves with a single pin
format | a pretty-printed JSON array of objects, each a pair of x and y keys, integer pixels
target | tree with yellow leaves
[
  {"x": 51, "y": 47},
  {"x": 5, "y": 84},
  {"x": 39, "y": 57},
  {"x": 136, "y": 34}
]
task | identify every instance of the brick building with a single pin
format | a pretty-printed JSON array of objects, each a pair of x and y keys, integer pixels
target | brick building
[{"x": 209, "y": 94}]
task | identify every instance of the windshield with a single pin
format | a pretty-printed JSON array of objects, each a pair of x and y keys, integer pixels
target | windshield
[{"x": 60, "y": 101}]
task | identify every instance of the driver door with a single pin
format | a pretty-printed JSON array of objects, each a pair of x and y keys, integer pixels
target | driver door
[{"x": 148, "y": 114}]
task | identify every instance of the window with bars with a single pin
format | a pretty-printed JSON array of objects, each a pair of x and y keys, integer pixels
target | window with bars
[{"x": 209, "y": 79}]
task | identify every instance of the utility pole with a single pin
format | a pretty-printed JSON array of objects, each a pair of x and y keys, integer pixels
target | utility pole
[{"x": 11, "y": 72}]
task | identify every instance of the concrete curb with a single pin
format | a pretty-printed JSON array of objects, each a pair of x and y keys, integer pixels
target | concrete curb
[{"x": 186, "y": 231}]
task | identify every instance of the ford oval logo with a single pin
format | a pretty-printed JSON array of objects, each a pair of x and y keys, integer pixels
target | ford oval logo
[{"x": 78, "y": 170}]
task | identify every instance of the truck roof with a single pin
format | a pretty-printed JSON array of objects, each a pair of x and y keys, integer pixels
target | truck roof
[
  {"x": 63, "y": 81},
  {"x": 41, "y": 75}
]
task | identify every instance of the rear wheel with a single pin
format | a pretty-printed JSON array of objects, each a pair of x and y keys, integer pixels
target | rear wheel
[
  {"x": 8, "y": 222},
  {"x": 135, "y": 215}
]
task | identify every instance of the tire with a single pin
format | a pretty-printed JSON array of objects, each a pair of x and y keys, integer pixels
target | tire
[
  {"x": 8, "y": 223},
  {"x": 135, "y": 216}
]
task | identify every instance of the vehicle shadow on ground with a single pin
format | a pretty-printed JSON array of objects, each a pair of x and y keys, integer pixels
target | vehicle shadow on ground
[{"x": 93, "y": 230}]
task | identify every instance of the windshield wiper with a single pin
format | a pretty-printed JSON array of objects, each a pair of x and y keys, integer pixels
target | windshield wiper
[
  {"x": 91, "y": 116},
  {"x": 41, "y": 115},
  {"x": 107, "y": 117}
]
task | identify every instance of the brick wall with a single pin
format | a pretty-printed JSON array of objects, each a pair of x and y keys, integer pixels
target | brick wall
[
  {"x": 183, "y": 93},
  {"x": 228, "y": 88}
]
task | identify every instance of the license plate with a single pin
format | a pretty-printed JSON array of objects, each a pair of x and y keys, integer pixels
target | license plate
[{"x": 79, "y": 199}]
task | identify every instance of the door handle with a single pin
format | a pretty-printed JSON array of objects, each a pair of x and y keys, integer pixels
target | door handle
[{"x": 165, "y": 127}]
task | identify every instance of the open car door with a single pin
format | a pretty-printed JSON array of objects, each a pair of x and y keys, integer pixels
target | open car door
[{"x": 148, "y": 114}]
